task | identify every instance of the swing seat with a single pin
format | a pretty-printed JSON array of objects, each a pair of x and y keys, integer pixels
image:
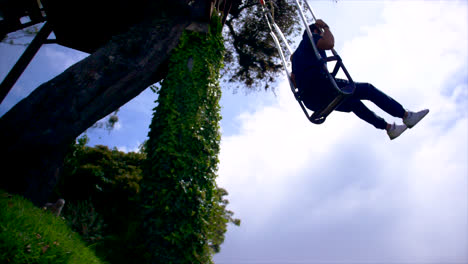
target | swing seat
[{"x": 319, "y": 116}]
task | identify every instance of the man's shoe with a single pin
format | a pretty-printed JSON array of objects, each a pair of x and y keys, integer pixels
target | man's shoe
[
  {"x": 413, "y": 118},
  {"x": 396, "y": 130}
]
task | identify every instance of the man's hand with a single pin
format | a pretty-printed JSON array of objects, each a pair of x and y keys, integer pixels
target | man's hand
[
  {"x": 320, "y": 23},
  {"x": 327, "y": 42}
]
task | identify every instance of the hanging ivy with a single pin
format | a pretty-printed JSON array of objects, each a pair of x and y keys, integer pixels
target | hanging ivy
[{"x": 181, "y": 198}]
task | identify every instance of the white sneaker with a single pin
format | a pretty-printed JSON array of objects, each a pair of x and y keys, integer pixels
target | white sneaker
[
  {"x": 396, "y": 130},
  {"x": 414, "y": 117}
]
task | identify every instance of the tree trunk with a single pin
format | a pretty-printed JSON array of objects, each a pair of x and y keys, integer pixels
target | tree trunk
[
  {"x": 36, "y": 132},
  {"x": 178, "y": 187}
]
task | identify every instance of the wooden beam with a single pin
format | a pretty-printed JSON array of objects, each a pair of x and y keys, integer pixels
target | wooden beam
[{"x": 24, "y": 60}]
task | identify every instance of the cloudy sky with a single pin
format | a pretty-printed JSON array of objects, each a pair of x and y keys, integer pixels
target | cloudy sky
[{"x": 341, "y": 192}]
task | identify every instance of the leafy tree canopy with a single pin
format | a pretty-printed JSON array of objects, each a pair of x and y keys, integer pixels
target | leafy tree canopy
[{"x": 252, "y": 58}]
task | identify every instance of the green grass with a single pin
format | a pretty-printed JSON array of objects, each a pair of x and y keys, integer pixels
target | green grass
[{"x": 31, "y": 235}]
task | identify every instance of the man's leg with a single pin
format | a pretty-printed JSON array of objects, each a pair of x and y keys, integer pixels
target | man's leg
[
  {"x": 366, "y": 91},
  {"x": 364, "y": 113},
  {"x": 359, "y": 109}
]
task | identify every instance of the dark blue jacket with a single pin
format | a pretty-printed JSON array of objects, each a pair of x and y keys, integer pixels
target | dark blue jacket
[
  {"x": 304, "y": 59},
  {"x": 309, "y": 74}
]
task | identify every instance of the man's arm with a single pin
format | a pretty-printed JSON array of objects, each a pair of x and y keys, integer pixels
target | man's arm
[{"x": 327, "y": 41}]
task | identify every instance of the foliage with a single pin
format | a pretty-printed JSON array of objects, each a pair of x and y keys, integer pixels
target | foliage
[
  {"x": 95, "y": 172},
  {"x": 113, "y": 227},
  {"x": 21, "y": 37},
  {"x": 31, "y": 235},
  {"x": 108, "y": 123},
  {"x": 102, "y": 188},
  {"x": 219, "y": 218},
  {"x": 83, "y": 218},
  {"x": 185, "y": 217},
  {"x": 253, "y": 59}
]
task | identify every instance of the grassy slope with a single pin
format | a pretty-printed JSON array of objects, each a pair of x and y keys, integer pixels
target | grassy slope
[{"x": 31, "y": 235}]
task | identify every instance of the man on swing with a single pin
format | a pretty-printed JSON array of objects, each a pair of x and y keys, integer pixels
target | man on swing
[{"x": 317, "y": 92}]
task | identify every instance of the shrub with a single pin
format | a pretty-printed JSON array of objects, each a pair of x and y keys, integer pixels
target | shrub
[
  {"x": 83, "y": 218},
  {"x": 101, "y": 187}
]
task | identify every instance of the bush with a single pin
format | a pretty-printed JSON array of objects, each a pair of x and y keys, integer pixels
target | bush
[
  {"x": 32, "y": 235},
  {"x": 99, "y": 172},
  {"x": 101, "y": 187},
  {"x": 83, "y": 219}
]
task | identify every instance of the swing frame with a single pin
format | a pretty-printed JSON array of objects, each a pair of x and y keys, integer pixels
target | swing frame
[{"x": 319, "y": 116}]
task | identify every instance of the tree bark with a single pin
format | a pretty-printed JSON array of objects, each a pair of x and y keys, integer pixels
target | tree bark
[{"x": 36, "y": 132}]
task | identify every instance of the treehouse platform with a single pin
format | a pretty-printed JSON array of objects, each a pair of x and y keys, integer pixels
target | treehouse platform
[{"x": 83, "y": 25}]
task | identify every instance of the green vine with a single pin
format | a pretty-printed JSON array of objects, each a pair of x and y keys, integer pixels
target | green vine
[{"x": 183, "y": 204}]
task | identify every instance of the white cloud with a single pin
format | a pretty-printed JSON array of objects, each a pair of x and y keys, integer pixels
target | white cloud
[
  {"x": 61, "y": 58},
  {"x": 437, "y": 194},
  {"x": 413, "y": 54},
  {"x": 118, "y": 126},
  {"x": 342, "y": 191},
  {"x": 127, "y": 149}
]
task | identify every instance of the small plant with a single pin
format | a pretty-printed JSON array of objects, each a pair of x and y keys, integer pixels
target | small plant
[{"x": 82, "y": 218}]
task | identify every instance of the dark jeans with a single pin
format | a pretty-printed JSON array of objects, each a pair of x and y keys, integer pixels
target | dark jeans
[{"x": 322, "y": 94}]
